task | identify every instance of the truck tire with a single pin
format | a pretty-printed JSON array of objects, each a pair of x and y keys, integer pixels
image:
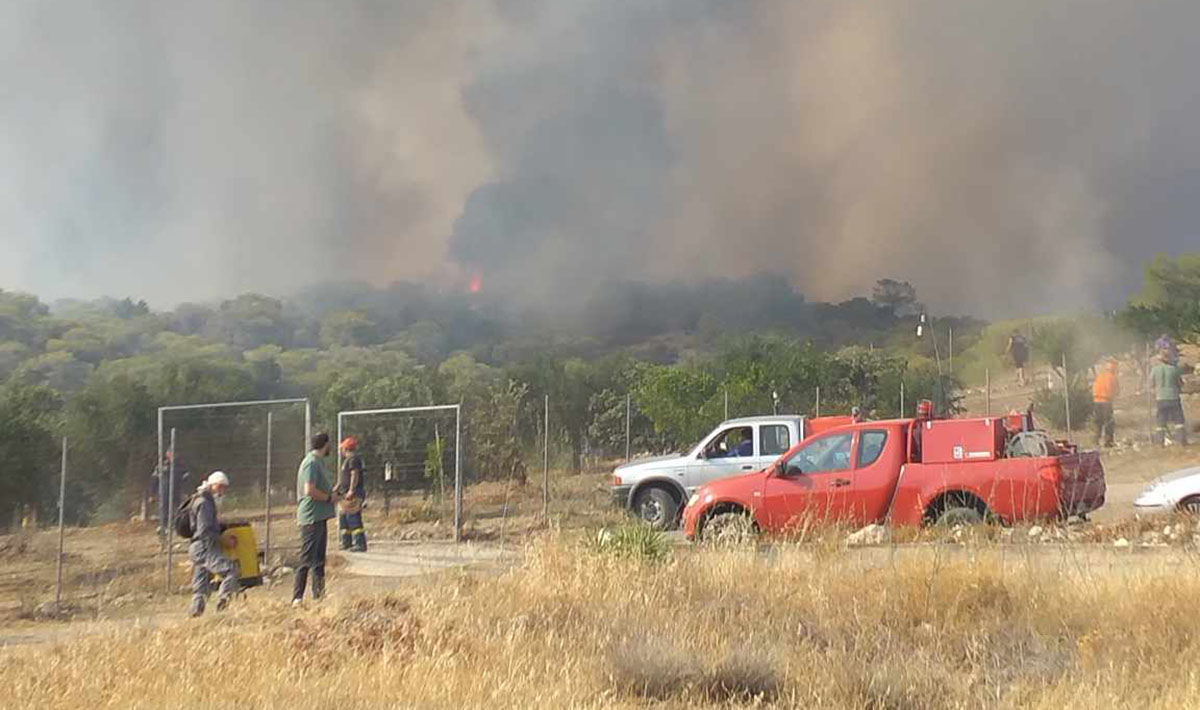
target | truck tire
[
  {"x": 728, "y": 529},
  {"x": 959, "y": 515},
  {"x": 656, "y": 508}
]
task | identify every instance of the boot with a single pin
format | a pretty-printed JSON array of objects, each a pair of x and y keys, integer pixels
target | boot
[
  {"x": 347, "y": 540},
  {"x": 360, "y": 542}
]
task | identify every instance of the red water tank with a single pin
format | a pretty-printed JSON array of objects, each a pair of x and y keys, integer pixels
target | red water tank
[{"x": 958, "y": 440}]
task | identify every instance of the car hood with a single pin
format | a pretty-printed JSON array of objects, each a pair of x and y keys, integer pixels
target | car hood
[
  {"x": 1184, "y": 477},
  {"x": 734, "y": 487},
  {"x": 652, "y": 463}
]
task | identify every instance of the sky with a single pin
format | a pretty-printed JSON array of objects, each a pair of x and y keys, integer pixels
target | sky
[{"x": 1005, "y": 158}]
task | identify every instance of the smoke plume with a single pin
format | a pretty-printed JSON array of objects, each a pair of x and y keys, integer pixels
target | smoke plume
[{"x": 1003, "y": 157}]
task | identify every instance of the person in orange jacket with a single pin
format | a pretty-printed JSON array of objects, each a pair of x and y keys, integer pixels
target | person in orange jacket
[{"x": 1104, "y": 392}]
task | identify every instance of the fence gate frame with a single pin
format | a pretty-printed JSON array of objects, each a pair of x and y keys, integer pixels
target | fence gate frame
[
  {"x": 170, "y": 522},
  {"x": 458, "y": 482}
]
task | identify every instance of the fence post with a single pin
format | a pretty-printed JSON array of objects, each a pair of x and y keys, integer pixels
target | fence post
[
  {"x": 951, "y": 329},
  {"x": 628, "y": 420},
  {"x": 546, "y": 461},
  {"x": 267, "y": 544},
  {"x": 170, "y": 522},
  {"x": 818, "y": 401},
  {"x": 987, "y": 392},
  {"x": 458, "y": 482},
  {"x": 62, "y": 496},
  {"x": 726, "y": 390},
  {"x": 1067, "y": 394},
  {"x": 901, "y": 399},
  {"x": 164, "y": 538}
]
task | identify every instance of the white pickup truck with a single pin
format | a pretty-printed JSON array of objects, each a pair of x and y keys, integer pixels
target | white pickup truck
[{"x": 655, "y": 489}]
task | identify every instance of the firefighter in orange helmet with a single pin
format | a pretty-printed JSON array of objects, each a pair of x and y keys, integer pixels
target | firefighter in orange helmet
[{"x": 352, "y": 491}]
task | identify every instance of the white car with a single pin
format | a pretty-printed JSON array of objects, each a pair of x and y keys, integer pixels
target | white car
[
  {"x": 1175, "y": 491},
  {"x": 656, "y": 489}
]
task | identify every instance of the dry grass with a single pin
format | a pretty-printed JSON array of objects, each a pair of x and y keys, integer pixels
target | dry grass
[{"x": 925, "y": 627}]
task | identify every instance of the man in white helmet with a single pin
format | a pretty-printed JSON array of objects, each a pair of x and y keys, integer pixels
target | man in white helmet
[{"x": 205, "y": 550}]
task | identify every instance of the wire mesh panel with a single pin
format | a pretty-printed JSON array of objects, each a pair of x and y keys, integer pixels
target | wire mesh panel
[
  {"x": 412, "y": 463},
  {"x": 258, "y": 444}
]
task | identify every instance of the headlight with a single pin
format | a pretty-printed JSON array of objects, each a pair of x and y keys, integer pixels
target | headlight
[{"x": 693, "y": 500}]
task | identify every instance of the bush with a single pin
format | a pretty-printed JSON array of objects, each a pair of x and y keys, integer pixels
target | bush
[
  {"x": 1048, "y": 404},
  {"x": 633, "y": 541}
]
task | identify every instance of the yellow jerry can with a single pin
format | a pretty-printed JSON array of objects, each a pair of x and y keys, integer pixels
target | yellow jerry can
[{"x": 245, "y": 551}]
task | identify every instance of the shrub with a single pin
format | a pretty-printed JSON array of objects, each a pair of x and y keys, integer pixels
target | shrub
[
  {"x": 1049, "y": 404},
  {"x": 633, "y": 541}
]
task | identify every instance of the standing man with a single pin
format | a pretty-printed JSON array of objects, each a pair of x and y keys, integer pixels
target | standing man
[
  {"x": 1166, "y": 380},
  {"x": 314, "y": 493},
  {"x": 1018, "y": 349},
  {"x": 1104, "y": 392},
  {"x": 352, "y": 491},
  {"x": 205, "y": 550}
]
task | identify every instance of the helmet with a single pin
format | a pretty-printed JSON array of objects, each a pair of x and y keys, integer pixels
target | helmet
[{"x": 349, "y": 444}]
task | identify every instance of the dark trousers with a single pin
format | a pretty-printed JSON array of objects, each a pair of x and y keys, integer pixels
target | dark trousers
[
  {"x": 354, "y": 535},
  {"x": 1106, "y": 425},
  {"x": 313, "y": 539},
  {"x": 1169, "y": 419}
]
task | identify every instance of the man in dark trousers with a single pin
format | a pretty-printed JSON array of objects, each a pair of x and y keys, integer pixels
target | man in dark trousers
[
  {"x": 205, "y": 550},
  {"x": 351, "y": 492},
  {"x": 1166, "y": 381},
  {"x": 314, "y": 508}
]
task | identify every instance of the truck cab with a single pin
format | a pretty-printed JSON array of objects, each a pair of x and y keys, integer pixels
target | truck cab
[{"x": 655, "y": 489}]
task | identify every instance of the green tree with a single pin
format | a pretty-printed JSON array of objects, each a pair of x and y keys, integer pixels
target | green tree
[
  {"x": 28, "y": 446},
  {"x": 348, "y": 328}
]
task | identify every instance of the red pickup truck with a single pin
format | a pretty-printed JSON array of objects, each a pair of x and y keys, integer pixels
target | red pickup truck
[{"x": 907, "y": 472}]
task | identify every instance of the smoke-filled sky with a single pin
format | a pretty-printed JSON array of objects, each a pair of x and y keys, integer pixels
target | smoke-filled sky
[{"x": 1004, "y": 157}]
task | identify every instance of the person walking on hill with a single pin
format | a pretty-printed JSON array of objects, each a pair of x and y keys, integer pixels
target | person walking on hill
[
  {"x": 1166, "y": 380},
  {"x": 314, "y": 508},
  {"x": 1018, "y": 349},
  {"x": 352, "y": 492},
  {"x": 205, "y": 550},
  {"x": 1104, "y": 393}
]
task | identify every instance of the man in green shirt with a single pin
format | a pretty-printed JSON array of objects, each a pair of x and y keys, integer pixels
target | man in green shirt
[
  {"x": 1166, "y": 379},
  {"x": 314, "y": 508}
]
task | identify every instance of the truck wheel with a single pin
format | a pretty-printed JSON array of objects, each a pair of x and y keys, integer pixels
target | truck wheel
[
  {"x": 1190, "y": 505},
  {"x": 957, "y": 515},
  {"x": 657, "y": 508},
  {"x": 728, "y": 529}
]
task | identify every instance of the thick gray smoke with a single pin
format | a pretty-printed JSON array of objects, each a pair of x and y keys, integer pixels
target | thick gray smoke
[{"x": 1002, "y": 156}]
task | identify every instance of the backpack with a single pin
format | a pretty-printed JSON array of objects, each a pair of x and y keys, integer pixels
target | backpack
[{"x": 184, "y": 527}]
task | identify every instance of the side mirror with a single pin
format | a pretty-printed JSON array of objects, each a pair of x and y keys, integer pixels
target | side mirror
[{"x": 792, "y": 469}]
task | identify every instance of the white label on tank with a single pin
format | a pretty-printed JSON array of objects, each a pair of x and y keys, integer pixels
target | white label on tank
[{"x": 958, "y": 453}]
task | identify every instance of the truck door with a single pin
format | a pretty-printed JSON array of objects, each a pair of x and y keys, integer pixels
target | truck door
[
  {"x": 774, "y": 440},
  {"x": 729, "y": 453},
  {"x": 811, "y": 485},
  {"x": 878, "y": 456}
]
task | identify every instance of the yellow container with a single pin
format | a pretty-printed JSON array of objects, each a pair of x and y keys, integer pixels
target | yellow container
[{"x": 245, "y": 551}]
